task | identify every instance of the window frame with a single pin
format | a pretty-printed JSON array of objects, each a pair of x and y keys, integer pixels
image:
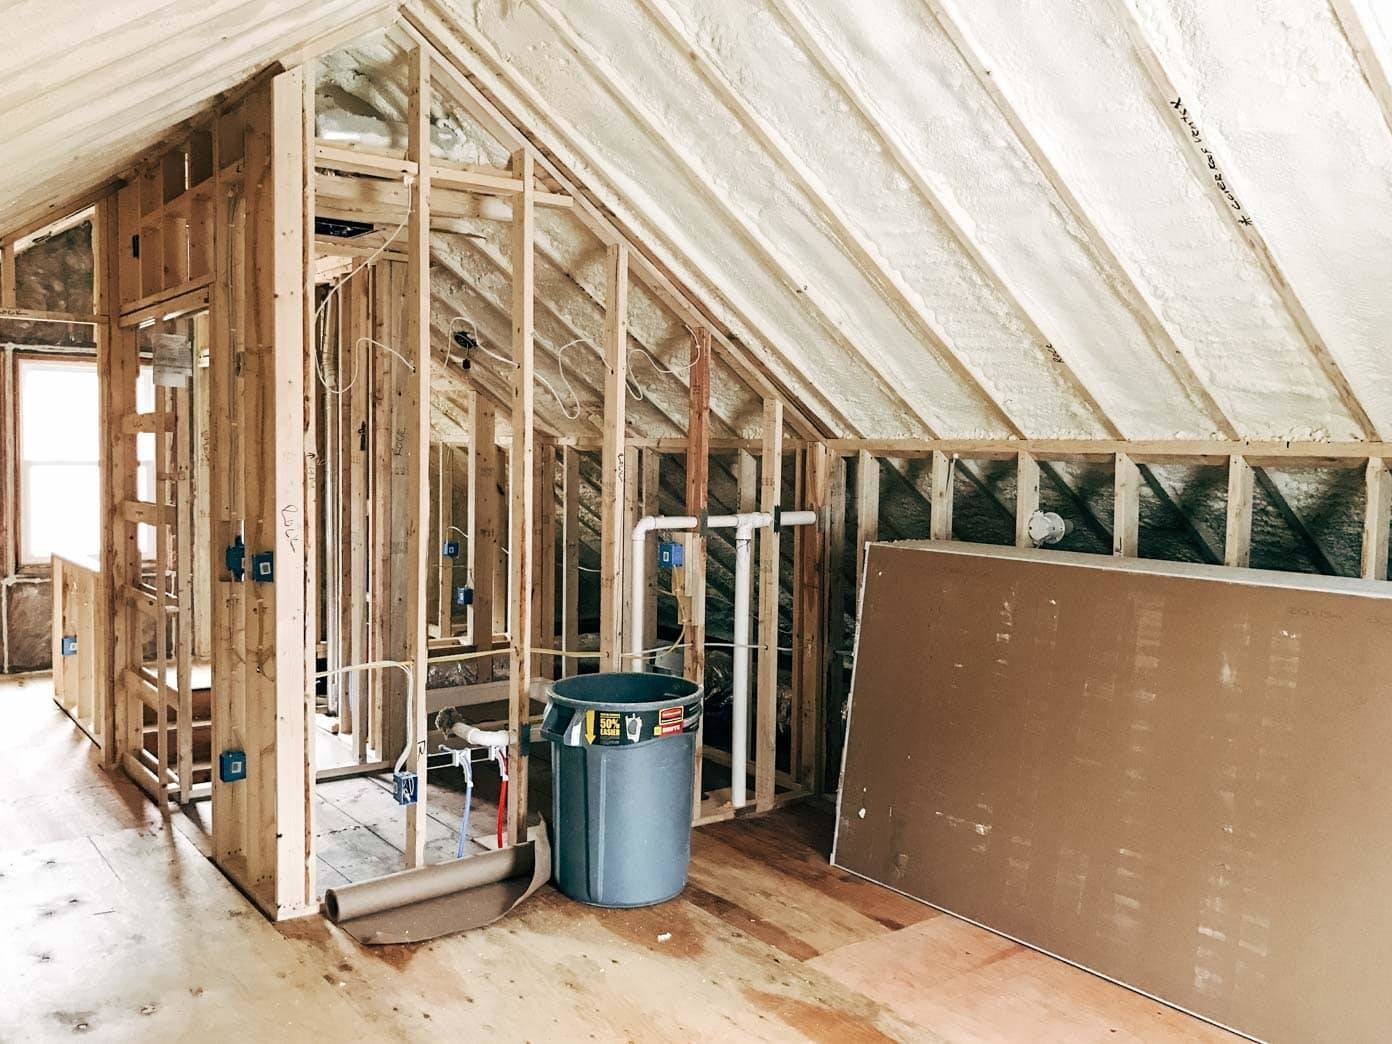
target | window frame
[{"x": 19, "y": 357}]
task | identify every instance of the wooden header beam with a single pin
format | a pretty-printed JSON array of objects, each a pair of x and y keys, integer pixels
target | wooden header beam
[{"x": 1292, "y": 455}]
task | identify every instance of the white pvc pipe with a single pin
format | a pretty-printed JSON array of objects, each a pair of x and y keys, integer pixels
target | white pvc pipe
[
  {"x": 739, "y": 709},
  {"x": 477, "y": 737},
  {"x": 744, "y": 526},
  {"x": 639, "y": 580}
]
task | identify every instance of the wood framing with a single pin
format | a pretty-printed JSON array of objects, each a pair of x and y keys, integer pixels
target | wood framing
[
  {"x": 1377, "y": 516},
  {"x": 1237, "y": 540},
  {"x": 650, "y": 464},
  {"x": 522, "y": 491},
  {"x": 807, "y": 752},
  {"x": 613, "y": 461},
  {"x": 690, "y": 580},
  {"x": 1026, "y": 496},
  {"x": 484, "y": 525},
  {"x": 263, "y": 831},
  {"x": 940, "y": 507},
  {"x": 766, "y": 715},
  {"x": 1126, "y": 511},
  {"x": 867, "y": 504},
  {"x": 316, "y": 510},
  {"x": 416, "y": 431},
  {"x": 570, "y": 579}
]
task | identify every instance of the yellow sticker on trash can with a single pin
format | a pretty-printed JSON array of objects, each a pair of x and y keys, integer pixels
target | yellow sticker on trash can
[{"x": 620, "y": 728}]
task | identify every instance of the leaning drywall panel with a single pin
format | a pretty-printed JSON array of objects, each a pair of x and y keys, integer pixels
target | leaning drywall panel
[{"x": 1171, "y": 774}]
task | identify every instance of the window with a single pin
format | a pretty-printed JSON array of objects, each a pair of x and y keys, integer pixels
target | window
[
  {"x": 59, "y": 484},
  {"x": 59, "y": 469}
]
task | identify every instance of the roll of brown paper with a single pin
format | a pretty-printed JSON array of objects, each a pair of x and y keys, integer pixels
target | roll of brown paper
[{"x": 431, "y": 901}]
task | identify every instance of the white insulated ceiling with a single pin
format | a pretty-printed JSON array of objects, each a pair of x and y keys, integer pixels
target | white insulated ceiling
[
  {"x": 952, "y": 217},
  {"x": 990, "y": 218},
  {"x": 86, "y": 87}
]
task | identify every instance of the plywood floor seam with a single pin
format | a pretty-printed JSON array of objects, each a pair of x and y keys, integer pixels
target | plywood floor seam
[{"x": 118, "y": 926}]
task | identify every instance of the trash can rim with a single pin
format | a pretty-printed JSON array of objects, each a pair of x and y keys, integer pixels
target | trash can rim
[{"x": 671, "y": 700}]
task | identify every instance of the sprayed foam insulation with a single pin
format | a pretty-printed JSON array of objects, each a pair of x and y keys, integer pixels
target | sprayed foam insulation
[
  {"x": 997, "y": 253},
  {"x": 954, "y": 218},
  {"x": 102, "y": 83}
]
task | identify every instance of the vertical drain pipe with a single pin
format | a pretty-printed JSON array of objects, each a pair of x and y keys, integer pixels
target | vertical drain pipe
[
  {"x": 739, "y": 706},
  {"x": 739, "y": 725},
  {"x": 744, "y": 526}
]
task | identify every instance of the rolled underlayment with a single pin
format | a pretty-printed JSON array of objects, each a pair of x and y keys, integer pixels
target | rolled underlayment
[{"x": 431, "y": 901}]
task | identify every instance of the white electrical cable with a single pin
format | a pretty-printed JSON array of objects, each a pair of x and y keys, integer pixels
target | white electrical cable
[
  {"x": 319, "y": 312},
  {"x": 389, "y": 350},
  {"x": 449, "y": 355},
  {"x": 573, "y": 412},
  {"x": 406, "y": 669}
]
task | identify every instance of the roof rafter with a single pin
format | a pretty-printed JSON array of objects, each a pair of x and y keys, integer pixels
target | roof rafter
[
  {"x": 1107, "y": 259},
  {"x": 1176, "y": 108},
  {"x": 1370, "y": 62},
  {"x": 885, "y": 377},
  {"x": 580, "y": 383},
  {"x": 889, "y": 284},
  {"x": 493, "y": 257},
  {"x": 896, "y": 148},
  {"x": 423, "y": 25},
  {"x": 772, "y": 142},
  {"x": 1130, "y": 289}
]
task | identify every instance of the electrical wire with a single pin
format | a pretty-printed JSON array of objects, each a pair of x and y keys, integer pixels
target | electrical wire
[
  {"x": 321, "y": 339},
  {"x": 572, "y": 411},
  {"x": 468, "y": 768},
  {"x": 502, "y": 791}
]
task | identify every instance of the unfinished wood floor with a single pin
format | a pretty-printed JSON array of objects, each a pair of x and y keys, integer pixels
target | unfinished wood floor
[{"x": 115, "y": 925}]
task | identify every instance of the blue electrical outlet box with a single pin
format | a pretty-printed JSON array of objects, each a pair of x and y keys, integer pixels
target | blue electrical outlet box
[
  {"x": 235, "y": 559},
  {"x": 670, "y": 554},
  {"x": 263, "y": 567},
  {"x": 404, "y": 785},
  {"x": 69, "y": 647},
  {"x": 451, "y": 549},
  {"x": 463, "y": 596},
  {"x": 231, "y": 766}
]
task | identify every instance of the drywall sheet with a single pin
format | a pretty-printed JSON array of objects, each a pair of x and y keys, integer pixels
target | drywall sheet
[{"x": 1177, "y": 776}]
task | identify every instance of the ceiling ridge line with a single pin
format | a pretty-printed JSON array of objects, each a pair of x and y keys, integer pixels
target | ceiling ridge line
[
  {"x": 749, "y": 358},
  {"x": 1136, "y": 300},
  {"x": 888, "y": 283},
  {"x": 578, "y": 48},
  {"x": 1170, "y": 101}
]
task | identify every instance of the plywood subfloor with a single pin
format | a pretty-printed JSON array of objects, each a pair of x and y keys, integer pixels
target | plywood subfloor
[{"x": 115, "y": 925}]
